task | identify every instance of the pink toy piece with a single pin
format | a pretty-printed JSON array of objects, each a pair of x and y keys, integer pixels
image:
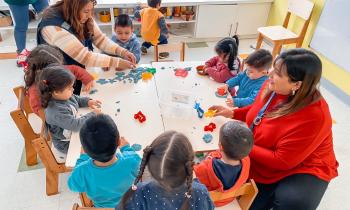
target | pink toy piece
[{"x": 181, "y": 73}]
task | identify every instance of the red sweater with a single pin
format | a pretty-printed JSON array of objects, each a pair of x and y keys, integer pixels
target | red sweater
[
  {"x": 219, "y": 71},
  {"x": 33, "y": 92},
  {"x": 206, "y": 175},
  {"x": 300, "y": 142}
]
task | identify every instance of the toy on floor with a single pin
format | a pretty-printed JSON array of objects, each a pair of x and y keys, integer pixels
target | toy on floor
[
  {"x": 200, "y": 70},
  {"x": 146, "y": 76},
  {"x": 200, "y": 111},
  {"x": 136, "y": 147},
  {"x": 211, "y": 127},
  {"x": 209, "y": 113},
  {"x": 151, "y": 70},
  {"x": 181, "y": 73},
  {"x": 207, "y": 138},
  {"x": 93, "y": 91},
  {"x": 140, "y": 117}
]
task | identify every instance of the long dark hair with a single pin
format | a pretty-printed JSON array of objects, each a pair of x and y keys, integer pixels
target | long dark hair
[
  {"x": 166, "y": 166},
  {"x": 228, "y": 46},
  {"x": 53, "y": 78},
  {"x": 70, "y": 10},
  {"x": 299, "y": 65},
  {"x": 39, "y": 58}
]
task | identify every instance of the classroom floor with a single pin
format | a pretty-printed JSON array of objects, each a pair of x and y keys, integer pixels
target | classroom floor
[{"x": 26, "y": 190}]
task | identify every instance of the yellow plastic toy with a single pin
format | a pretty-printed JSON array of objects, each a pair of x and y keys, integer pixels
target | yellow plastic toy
[
  {"x": 146, "y": 76},
  {"x": 209, "y": 113}
]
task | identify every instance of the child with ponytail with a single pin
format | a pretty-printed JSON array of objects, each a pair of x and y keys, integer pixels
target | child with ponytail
[
  {"x": 169, "y": 159},
  {"x": 39, "y": 58},
  {"x": 226, "y": 64},
  {"x": 61, "y": 106}
]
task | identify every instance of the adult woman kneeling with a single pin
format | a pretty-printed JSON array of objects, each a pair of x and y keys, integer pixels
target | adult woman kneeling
[
  {"x": 293, "y": 159},
  {"x": 69, "y": 26}
]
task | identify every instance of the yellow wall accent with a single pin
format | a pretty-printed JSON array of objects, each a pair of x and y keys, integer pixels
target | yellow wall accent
[{"x": 335, "y": 74}]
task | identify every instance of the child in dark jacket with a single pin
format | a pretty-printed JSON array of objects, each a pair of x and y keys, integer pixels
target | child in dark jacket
[{"x": 227, "y": 169}]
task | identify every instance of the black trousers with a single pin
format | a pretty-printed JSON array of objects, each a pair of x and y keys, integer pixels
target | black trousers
[
  {"x": 295, "y": 192},
  {"x": 77, "y": 87}
]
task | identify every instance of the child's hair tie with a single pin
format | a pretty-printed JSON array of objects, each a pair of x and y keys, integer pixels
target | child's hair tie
[
  {"x": 187, "y": 195},
  {"x": 134, "y": 187}
]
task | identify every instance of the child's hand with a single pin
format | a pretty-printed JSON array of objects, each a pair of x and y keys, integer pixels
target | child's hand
[
  {"x": 97, "y": 111},
  {"x": 230, "y": 102},
  {"x": 225, "y": 87},
  {"x": 94, "y": 104},
  {"x": 124, "y": 64},
  {"x": 88, "y": 86},
  {"x": 123, "y": 141}
]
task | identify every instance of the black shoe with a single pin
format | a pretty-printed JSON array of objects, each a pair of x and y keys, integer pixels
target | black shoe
[{"x": 163, "y": 55}]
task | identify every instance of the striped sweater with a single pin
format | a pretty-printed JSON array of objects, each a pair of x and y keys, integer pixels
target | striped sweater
[{"x": 70, "y": 44}]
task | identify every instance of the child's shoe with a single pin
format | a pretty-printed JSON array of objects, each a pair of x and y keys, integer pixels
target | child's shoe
[
  {"x": 143, "y": 50},
  {"x": 163, "y": 55}
]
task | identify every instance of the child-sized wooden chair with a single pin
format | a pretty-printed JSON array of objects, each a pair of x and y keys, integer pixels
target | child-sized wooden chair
[
  {"x": 245, "y": 196},
  {"x": 53, "y": 169},
  {"x": 77, "y": 207},
  {"x": 176, "y": 47},
  {"x": 85, "y": 201},
  {"x": 280, "y": 35},
  {"x": 21, "y": 116}
]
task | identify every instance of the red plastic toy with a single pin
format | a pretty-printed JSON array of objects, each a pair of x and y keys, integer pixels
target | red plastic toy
[
  {"x": 211, "y": 127},
  {"x": 181, "y": 73},
  {"x": 140, "y": 117},
  {"x": 221, "y": 91}
]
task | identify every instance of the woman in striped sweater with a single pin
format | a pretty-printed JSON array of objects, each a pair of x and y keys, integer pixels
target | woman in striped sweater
[{"x": 69, "y": 26}]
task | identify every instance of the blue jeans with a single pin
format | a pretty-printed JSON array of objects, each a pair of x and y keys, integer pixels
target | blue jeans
[
  {"x": 20, "y": 16},
  {"x": 162, "y": 40}
]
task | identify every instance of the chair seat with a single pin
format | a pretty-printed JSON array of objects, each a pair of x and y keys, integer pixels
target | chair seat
[
  {"x": 35, "y": 122},
  {"x": 276, "y": 33},
  {"x": 234, "y": 205}
]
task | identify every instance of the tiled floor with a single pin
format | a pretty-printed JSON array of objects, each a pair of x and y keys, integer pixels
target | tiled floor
[{"x": 26, "y": 190}]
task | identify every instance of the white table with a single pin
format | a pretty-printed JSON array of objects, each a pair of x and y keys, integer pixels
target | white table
[
  {"x": 151, "y": 98},
  {"x": 132, "y": 98}
]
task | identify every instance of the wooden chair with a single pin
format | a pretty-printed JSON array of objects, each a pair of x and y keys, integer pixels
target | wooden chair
[
  {"x": 77, "y": 207},
  {"x": 243, "y": 57},
  {"x": 178, "y": 47},
  {"x": 85, "y": 201},
  {"x": 53, "y": 169},
  {"x": 245, "y": 195},
  {"x": 21, "y": 116},
  {"x": 280, "y": 35}
]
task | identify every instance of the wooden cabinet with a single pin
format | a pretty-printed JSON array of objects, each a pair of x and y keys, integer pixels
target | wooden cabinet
[
  {"x": 215, "y": 20},
  {"x": 227, "y": 20}
]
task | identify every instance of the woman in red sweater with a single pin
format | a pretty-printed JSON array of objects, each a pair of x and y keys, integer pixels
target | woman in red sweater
[{"x": 292, "y": 159}]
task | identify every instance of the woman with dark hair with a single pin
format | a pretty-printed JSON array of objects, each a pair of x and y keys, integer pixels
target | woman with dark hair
[
  {"x": 69, "y": 25},
  {"x": 292, "y": 159}
]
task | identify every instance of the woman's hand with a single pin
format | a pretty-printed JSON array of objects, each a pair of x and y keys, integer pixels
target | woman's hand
[
  {"x": 124, "y": 64},
  {"x": 222, "y": 111},
  {"x": 130, "y": 57},
  {"x": 88, "y": 86}
]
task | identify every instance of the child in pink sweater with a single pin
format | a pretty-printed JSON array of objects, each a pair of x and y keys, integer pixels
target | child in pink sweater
[{"x": 226, "y": 64}]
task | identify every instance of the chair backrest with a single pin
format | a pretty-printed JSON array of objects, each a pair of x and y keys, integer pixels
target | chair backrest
[
  {"x": 85, "y": 201},
  {"x": 42, "y": 147},
  {"x": 245, "y": 195},
  {"x": 300, "y": 8},
  {"x": 176, "y": 47},
  {"x": 77, "y": 207}
]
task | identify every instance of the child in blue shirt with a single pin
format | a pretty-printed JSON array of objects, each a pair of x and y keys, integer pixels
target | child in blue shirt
[
  {"x": 102, "y": 173},
  {"x": 124, "y": 35},
  {"x": 250, "y": 80},
  {"x": 169, "y": 159}
]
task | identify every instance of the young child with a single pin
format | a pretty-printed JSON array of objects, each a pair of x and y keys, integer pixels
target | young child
[
  {"x": 226, "y": 64},
  {"x": 39, "y": 58},
  {"x": 56, "y": 93},
  {"x": 227, "y": 169},
  {"x": 104, "y": 174},
  {"x": 125, "y": 37},
  {"x": 251, "y": 80},
  {"x": 153, "y": 27},
  {"x": 169, "y": 159}
]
